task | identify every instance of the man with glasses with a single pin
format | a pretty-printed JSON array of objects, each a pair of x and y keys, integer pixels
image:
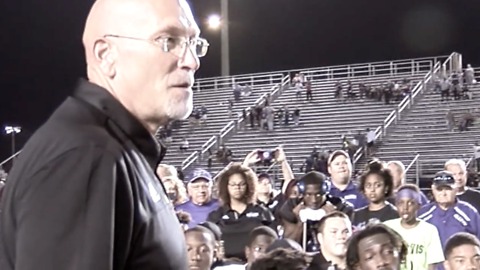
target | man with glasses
[
  {"x": 199, "y": 188},
  {"x": 84, "y": 194}
]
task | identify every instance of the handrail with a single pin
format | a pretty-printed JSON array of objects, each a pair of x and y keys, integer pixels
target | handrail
[
  {"x": 395, "y": 114},
  {"x": 366, "y": 64},
  {"x": 10, "y": 158},
  {"x": 189, "y": 160},
  {"x": 411, "y": 64},
  {"x": 415, "y": 160}
]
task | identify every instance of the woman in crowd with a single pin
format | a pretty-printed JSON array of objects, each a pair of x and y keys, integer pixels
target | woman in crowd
[
  {"x": 377, "y": 185},
  {"x": 238, "y": 213},
  {"x": 174, "y": 186}
]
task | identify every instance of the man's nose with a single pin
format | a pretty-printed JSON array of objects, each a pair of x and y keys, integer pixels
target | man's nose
[{"x": 189, "y": 60}]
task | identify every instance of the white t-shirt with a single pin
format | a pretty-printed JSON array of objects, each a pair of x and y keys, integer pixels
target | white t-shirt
[
  {"x": 424, "y": 246},
  {"x": 370, "y": 136}
]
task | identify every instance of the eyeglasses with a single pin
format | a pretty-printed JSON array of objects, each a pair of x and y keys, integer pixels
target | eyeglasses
[
  {"x": 175, "y": 45},
  {"x": 239, "y": 185}
]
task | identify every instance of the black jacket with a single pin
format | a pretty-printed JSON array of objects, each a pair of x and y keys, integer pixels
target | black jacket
[{"x": 83, "y": 194}]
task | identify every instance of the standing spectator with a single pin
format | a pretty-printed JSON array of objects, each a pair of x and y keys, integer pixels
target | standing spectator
[
  {"x": 287, "y": 115},
  {"x": 201, "y": 203},
  {"x": 201, "y": 248},
  {"x": 252, "y": 118},
  {"x": 340, "y": 170},
  {"x": 397, "y": 169},
  {"x": 184, "y": 144},
  {"x": 450, "y": 118},
  {"x": 338, "y": 90},
  {"x": 458, "y": 169},
  {"x": 370, "y": 141},
  {"x": 230, "y": 107},
  {"x": 469, "y": 75},
  {"x": 238, "y": 213},
  {"x": 424, "y": 246},
  {"x": 176, "y": 191},
  {"x": 376, "y": 247},
  {"x": 377, "y": 185},
  {"x": 462, "y": 252},
  {"x": 333, "y": 232},
  {"x": 447, "y": 213},
  {"x": 308, "y": 87},
  {"x": 315, "y": 201},
  {"x": 445, "y": 90},
  {"x": 296, "y": 116}
]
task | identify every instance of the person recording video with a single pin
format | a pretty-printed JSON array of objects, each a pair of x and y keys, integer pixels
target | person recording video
[{"x": 313, "y": 203}]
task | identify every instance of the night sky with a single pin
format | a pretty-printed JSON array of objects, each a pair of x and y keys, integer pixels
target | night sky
[{"x": 41, "y": 55}]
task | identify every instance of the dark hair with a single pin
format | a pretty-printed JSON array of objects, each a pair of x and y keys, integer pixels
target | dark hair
[
  {"x": 353, "y": 256},
  {"x": 261, "y": 230},
  {"x": 459, "y": 239},
  {"x": 290, "y": 186},
  {"x": 247, "y": 174},
  {"x": 321, "y": 224},
  {"x": 313, "y": 178},
  {"x": 201, "y": 229},
  {"x": 281, "y": 259},
  {"x": 412, "y": 187},
  {"x": 377, "y": 167},
  {"x": 217, "y": 232}
]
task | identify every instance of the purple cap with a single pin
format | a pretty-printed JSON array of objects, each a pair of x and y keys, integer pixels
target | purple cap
[{"x": 199, "y": 174}]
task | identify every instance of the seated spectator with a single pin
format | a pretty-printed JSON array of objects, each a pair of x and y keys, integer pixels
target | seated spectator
[
  {"x": 184, "y": 144},
  {"x": 377, "y": 185},
  {"x": 376, "y": 247},
  {"x": 201, "y": 247},
  {"x": 173, "y": 185},
  {"x": 281, "y": 259},
  {"x": 446, "y": 212},
  {"x": 462, "y": 251},
  {"x": 315, "y": 201},
  {"x": 424, "y": 246},
  {"x": 333, "y": 232},
  {"x": 238, "y": 213},
  {"x": 201, "y": 203}
]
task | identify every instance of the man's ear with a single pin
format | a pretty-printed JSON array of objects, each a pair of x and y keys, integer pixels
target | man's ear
[
  {"x": 247, "y": 252},
  {"x": 105, "y": 55},
  {"x": 446, "y": 265}
]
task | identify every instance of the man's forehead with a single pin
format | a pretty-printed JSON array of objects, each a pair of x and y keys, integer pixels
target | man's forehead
[{"x": 175, "y": 16}]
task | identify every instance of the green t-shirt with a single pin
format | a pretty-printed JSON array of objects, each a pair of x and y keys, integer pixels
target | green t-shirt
[{"x": 424, "y": 246}]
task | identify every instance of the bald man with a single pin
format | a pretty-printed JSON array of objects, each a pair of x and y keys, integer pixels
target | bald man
[{"x": 83, "y": 194}]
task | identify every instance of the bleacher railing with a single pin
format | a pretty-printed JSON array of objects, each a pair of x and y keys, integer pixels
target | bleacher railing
[
  {"x": 415, "y": 161},
  {"x": 407, "y": 102},
  {"x": 392, "y": 68}
]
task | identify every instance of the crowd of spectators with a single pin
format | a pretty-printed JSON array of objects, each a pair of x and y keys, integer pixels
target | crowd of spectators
[{"x": 327, "y": 218}]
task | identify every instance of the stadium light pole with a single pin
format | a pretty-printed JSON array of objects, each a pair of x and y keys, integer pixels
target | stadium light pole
[
  {"x": 13, "y": 130},
  {"x": 215, "y": 22}
]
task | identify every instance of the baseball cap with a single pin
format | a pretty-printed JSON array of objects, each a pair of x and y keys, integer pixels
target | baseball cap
[
  {"x": 199, "y": 174},
  {"x": 335, "y": 154},
  {"x": 265, "y": 175},
  {"x": 444, "y": 178}
]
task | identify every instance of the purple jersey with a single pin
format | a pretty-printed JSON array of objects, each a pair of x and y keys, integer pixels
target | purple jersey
[
  {"x": 461, "y": 217},
  {"x": 351, "y": 194},
  {"x": 199, "y": 213}
]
